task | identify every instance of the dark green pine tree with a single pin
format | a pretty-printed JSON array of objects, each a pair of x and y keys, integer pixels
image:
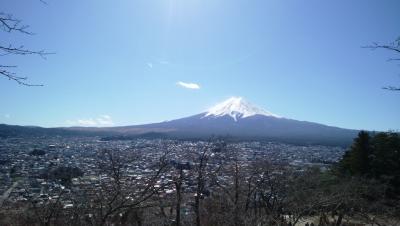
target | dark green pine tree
[
  {"x": 385, "y": 160},
  {"x": 357, "y": 160}
]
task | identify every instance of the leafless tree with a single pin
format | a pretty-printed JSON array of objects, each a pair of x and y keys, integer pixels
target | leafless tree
[
  {"x": 270, "y": 191},
  {"x": 246, "y": 193},
  {"x": 393, "y": 47},
  {"x": 203, "y": 173},
  {"x": 230, "y": 182},
  {"x": 178, "y": 181},
  {"x": 332, "y": 201},
  {"x": 200, "y": 180},
  {"x": 119, "y": 196},
  {"x": 10, "y": 24},
  {"x": 47, "y": 212}
]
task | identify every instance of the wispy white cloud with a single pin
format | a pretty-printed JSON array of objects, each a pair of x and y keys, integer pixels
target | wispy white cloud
[
  {"x": 156, "y": 63},
  {"x": 105, "y": 120},
  {"x": 87, "y": 122},
  {"x": 188, "y": 85},
  {"x": 102, "y": 120},
  {"x": 7, "y": 116}
]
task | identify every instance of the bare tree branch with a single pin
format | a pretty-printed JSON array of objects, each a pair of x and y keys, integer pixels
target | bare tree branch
[
  {"x": 44, "y": 2},
  {"x": 22, "y": 51},
  {"x": 392, "y": 88},
  {"x": 12, "y": 76},
  {"x": 10, "y": 24},
  {"x": 394, "y": 47}
]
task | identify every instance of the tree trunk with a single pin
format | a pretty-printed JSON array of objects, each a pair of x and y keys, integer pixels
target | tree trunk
[
  {"x": 178, "y": 185},
  {"x": 178, "y": 208},
  {"x": 236, "y": 194},
  {"x": 197, "y": 209},
  {"x": 339, "y": 220}
]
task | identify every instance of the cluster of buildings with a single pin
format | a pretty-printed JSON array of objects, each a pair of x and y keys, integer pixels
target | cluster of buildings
[{"x": 40, "y": 169}]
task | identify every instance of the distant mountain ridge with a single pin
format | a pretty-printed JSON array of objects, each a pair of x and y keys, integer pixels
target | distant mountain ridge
[{"x": 235, "y": 118}]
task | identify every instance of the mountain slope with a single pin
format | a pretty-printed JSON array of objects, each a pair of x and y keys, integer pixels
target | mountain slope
[
  {"x": 255, "y": 127},
  {"x": 235, "y": 118},
  {"x": 239, "y": 119}
]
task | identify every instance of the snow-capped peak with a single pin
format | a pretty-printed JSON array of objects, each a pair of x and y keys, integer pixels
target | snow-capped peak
[{"x": 237, "y": 107}]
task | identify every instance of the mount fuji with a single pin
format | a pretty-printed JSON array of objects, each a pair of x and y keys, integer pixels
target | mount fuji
[
  {"x": 234, "y": 119},
  {"x": 238, "y": 119}
]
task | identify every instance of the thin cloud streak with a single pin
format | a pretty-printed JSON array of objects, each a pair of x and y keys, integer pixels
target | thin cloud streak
[
  {"x": 188, "y": 85},
  {"x": 102, "y": 120}
]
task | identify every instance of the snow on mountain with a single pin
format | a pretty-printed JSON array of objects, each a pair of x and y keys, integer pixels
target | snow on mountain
[{"x": 237, "y": 107}]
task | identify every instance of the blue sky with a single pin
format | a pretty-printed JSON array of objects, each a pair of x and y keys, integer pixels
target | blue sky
[{"x": 120, "y": 62}]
